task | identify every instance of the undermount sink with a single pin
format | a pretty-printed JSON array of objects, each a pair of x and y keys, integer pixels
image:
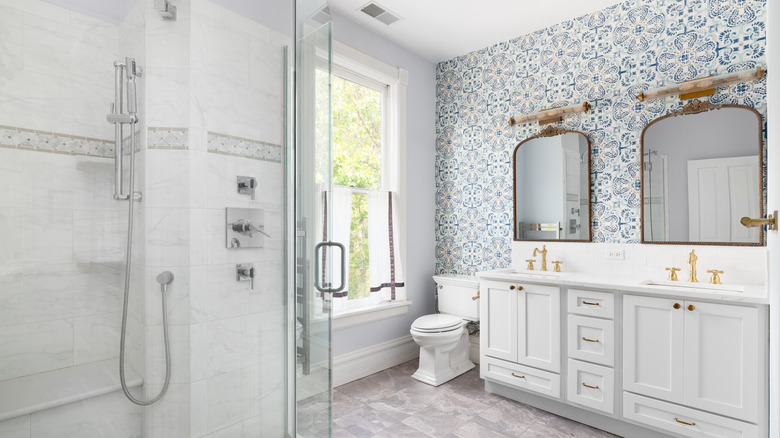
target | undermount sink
[
  {"x": 536, "y": 274},
  {"x": 703, "y": 286}
]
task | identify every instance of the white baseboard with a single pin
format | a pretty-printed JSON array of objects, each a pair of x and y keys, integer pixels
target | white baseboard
[{"x": 373, "y": 359}]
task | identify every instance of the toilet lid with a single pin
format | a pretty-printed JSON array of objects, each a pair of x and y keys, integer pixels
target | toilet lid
[{"x": 438, "y": 322}]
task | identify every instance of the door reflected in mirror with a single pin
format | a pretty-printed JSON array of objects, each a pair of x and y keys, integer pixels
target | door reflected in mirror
[
  {"x": 701, "y": 173},
  {"x": 552, "y": 186}
]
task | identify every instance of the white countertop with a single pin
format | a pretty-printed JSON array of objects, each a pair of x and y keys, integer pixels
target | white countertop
[{"x": 751, "y": 293}]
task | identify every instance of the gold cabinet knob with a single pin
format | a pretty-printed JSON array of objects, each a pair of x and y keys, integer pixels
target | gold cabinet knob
[
  {"x": 676, "y": 305},
  {"x": 512, "y": 287},
  {"x": 691, "y": 307},
  {"x": 519, "y": 288}
]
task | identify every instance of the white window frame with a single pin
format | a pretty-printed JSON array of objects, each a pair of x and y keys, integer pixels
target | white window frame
[{"x": 356, "y": 66}]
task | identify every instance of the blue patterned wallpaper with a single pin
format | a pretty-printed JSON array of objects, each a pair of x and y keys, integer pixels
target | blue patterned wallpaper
[{"x": 606, "y": 58}]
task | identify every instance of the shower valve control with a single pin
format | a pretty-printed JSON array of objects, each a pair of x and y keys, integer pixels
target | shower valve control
[
  {"x": 246, "y": 271},
  {"x": 246, "y": 185}
]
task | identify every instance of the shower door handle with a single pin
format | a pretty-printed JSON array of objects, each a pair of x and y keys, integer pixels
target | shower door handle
[{"x": 317, "y": 272}]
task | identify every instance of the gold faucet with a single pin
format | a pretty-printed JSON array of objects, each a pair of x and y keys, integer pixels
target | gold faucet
[
  {"x": 692, "y": 258},
  {"x": 557, "y": 264},
  {"x": 673, "y": 273},
  {"x": 530, "y": 264},
  {"x": 715, "y": 279},
  {"x": 543, "y": 252}
]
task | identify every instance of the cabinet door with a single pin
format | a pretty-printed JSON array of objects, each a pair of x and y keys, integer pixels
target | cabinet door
[
  {"x": 539, "y": 327},
  {"x": 721, "y": 358},
  {"x": 653, "y": 347},
  {"x": 498, "y": 320}
]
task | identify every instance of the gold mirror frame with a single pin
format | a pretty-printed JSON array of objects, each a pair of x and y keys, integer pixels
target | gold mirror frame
[
  {"x": 696, "y": 107},
  {"x": 551, "y": 131}
]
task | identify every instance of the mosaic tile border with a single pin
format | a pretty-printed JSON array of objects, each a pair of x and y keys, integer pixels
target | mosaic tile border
[
  {"x": 167, "y": 138},
  {"x": 244, "y": 147},
  {"x": 52, "y": 142}
]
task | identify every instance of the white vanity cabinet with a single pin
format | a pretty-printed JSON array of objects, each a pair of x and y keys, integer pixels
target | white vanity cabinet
[
  {"x": 521, "y": 327},
  {"x": 702, "y": 355}
]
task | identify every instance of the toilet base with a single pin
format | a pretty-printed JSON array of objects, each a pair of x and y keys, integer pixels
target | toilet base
[{"x": 437, "y": 366}]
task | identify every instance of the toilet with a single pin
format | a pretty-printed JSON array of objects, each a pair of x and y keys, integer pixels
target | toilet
[{"x": 442, "y": 337}]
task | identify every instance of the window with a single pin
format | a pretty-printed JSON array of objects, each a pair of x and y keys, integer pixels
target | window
[{"x": 367, "y": 121}]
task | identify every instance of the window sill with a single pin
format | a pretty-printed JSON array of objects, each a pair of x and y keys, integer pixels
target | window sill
[{"x": 364, "y": 315}]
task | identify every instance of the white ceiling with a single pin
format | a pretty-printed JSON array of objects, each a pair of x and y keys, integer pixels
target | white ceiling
[{"x": 439, "y": 30}]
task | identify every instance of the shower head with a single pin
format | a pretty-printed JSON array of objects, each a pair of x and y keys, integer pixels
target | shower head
[{"x": 165, "y": 278}]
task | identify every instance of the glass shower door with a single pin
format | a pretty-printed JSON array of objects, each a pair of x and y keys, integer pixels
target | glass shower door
[{"x": 318, "y": 261}]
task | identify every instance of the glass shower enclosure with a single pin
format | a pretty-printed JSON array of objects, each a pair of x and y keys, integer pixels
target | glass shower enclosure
[{"x": 200, "y": 114}]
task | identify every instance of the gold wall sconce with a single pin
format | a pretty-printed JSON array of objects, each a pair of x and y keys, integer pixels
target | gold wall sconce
[
  {"x": 770, "y": 222},
  {"x": 551, "y": 115},
  {"x": 702, "y": 86}
]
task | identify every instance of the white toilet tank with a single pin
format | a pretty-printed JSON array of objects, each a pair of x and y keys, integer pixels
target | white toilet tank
[{"x": 456, "y": 293}]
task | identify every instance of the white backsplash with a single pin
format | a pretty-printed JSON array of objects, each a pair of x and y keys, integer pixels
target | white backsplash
[{"x": 742, "y": 264}]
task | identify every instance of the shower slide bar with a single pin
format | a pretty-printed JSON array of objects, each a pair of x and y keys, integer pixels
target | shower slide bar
[{"x": 124, "y": 74}]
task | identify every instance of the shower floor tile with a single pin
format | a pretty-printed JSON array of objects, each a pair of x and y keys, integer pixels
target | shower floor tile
[{"x": 390, "y": 404}]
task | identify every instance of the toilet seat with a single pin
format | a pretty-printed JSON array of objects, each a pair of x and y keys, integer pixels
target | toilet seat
[{"x": 437, "y": 323}]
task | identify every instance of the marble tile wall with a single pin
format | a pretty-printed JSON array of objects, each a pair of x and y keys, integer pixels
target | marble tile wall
[{"x": 63, "y": 235}]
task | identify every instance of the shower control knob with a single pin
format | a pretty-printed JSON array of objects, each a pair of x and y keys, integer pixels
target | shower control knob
[{"x": 246, "y": 271}]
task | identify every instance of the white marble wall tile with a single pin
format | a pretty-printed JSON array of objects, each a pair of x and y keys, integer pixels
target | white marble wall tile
[
  {"x": 198, "y": 105},
  {"x": 199, "y": 291},
  {"x": 199, "y": 237},
  {"x": 48, "y": 236},
  {"x": 65, "y": 181},
  {"x": 272, "y": 422},
  {"x": 167, "y": 92},
  {"x": 41, "y": 8},
  {"x": 168, "y": 41},
  {"x": 96, "y": 337},
  {"x": 11, "y": 177},
  {"x": 207, "y": 8},
  {"x": 226, "y": 297},
  {"x": 167, "y": 231},
  {"x": 107, "y": 415},
  {"x": 269, "y": 293},
  {"x": 167, "y": 177},
  {"x": 91, "y": 104},
  {"x": 11, "y": 294},
  {"x": 224, "y": 406},
  {"x": 237, "y": 110},
  {"x": 99, "y": 236},
  {"x": 55, "y": 291},
  {"x": 228, "y": 53},
  {"x": 245, "y": 429},
  {"x": 266, "y": 67},
  {"x": 199, "y": 33},
  {"x": 199, "y": 352},
  {"x": 135, "y": 353},
  {"x": 18, "y": 427},
  {"x": 11, "y": 222},
  {"x": 244, "y": 24},
  {"x": 36, "y": 347},
  {"x": 170, "y": 416},
  {"x": 271, "y": 387},
  {"x": 264, "y": 337},
  {"x": 11, "y": 41},
  {"x": 179, "y": 338},
  {"x": 199, "y": 408},
  {"x": 224, "y": 346}
]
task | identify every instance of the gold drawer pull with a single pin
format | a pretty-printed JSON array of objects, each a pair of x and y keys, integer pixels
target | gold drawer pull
[
  {"x": 589, "y": 303},
  {"x": 588, "y": 386},
  {"x": 589, "y": 340},
  {"x": 519, "y": 377},
  {"x": 683, "y": 422},
  {"x": 476, "y": 297}
]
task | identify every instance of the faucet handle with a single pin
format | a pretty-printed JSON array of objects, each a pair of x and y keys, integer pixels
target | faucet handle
[
  {"x": 530, "y": 264},
  {"x": 672, "y": 273},
  {"x": 557, "y": 264},
  {"x": 715, "y": 279}
]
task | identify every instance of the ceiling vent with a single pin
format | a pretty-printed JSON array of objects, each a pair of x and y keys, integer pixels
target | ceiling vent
[{"x": 373, "y": 10}]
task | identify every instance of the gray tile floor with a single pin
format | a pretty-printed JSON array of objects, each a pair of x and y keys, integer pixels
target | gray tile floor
[{"x": 390, "y": 404}]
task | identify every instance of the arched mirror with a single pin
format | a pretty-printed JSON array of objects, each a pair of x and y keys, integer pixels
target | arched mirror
[
  {"x": 702, "y": 170},
  {"x": 552, "y": 186}
]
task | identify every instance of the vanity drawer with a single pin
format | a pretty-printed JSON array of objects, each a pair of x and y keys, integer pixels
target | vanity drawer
[
  {"x": 591, "y": 303},
  {"x": 521, "y": 377},
  {"x": 591, "y": 385},
  {"x": 673, "y": 418},
  {"x": 591, "y": 339}
]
